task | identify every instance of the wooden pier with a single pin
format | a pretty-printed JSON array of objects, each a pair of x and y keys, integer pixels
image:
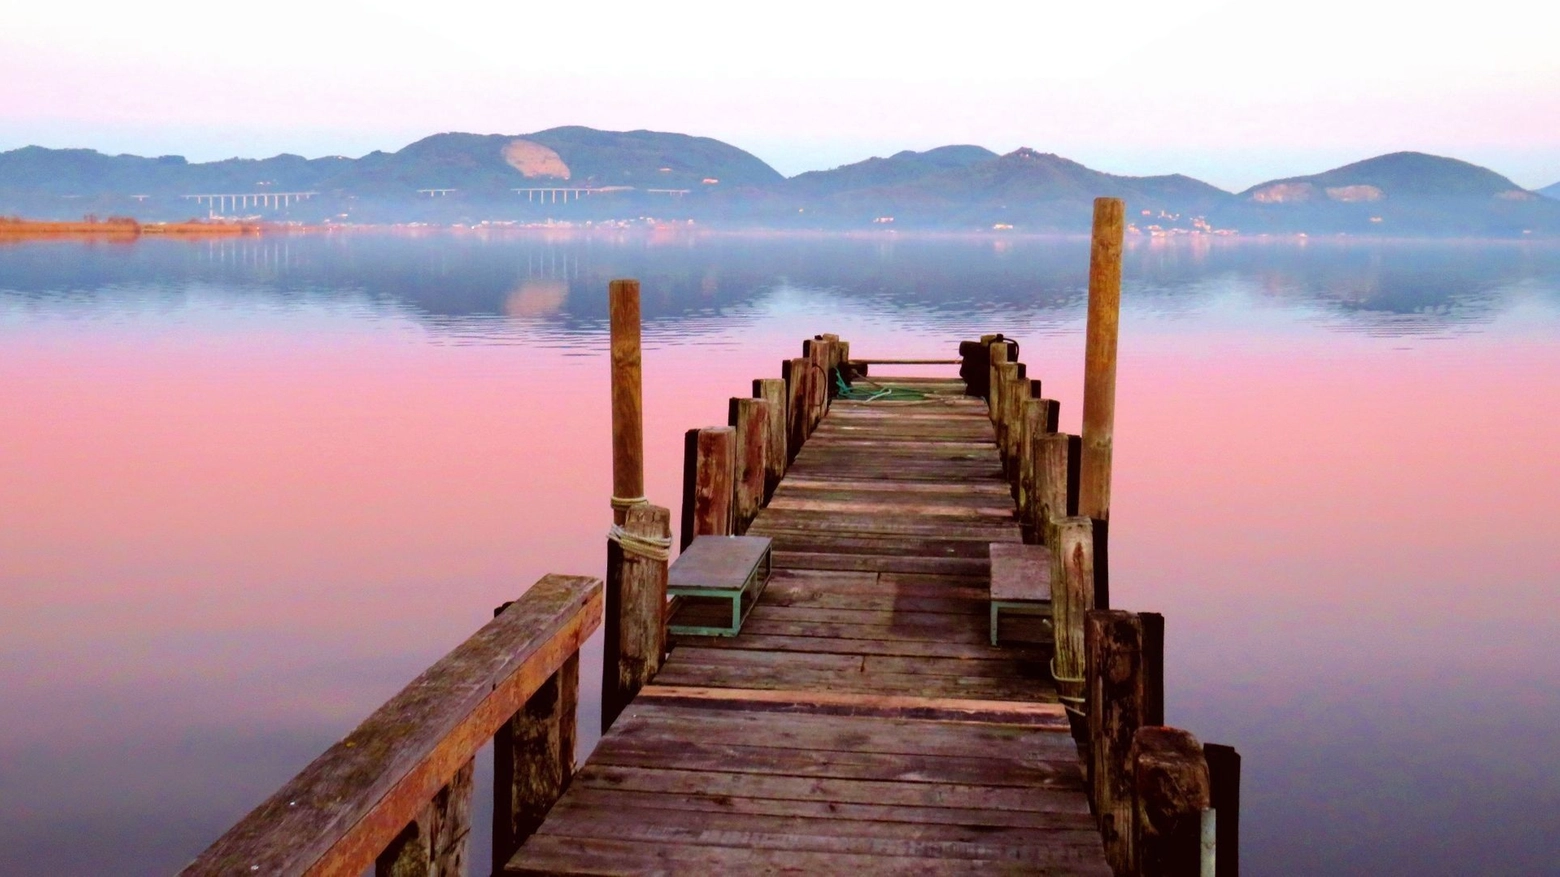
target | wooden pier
[{"x": 930, "y": 682}]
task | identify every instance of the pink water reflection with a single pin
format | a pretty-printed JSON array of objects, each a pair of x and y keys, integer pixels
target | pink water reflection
[{"x": 219, "y": 531}]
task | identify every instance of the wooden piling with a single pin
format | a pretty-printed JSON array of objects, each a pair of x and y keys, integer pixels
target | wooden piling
[
  {"x": 814, "y": 353},
  {"x": 795, "y": 372},
  {"x": 1099, "y": 377},
  {"x": 435, "y": 844},
  {"x": 1120, "y": 699},
  {"x": 628, "y": 434},
  {"x": 1171, "y": 791},
  {"x": 1051, "y": 452},
  {"x": 750, "y": 419},
  {"x": 996, "y": 356},
  {"x": 1224, "y": 797},
  {"x": 708, "y": 466},
  {"x": 1072, "y": 598},
  {"x": 1031, "y": 432},
  {"x": 772, "y": 390},
  {"x": 634, "y": 629},
  {"x": 1014, "y": 395},
  {"x": 533, "y": 760}
]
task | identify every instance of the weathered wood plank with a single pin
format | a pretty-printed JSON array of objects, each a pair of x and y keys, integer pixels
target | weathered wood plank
[
  {"x": 341, "y": 811},
  {"x": 758, "y": 701}
]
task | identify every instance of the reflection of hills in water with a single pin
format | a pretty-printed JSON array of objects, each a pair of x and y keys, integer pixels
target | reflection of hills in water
[{"x": 460, "y": 283}]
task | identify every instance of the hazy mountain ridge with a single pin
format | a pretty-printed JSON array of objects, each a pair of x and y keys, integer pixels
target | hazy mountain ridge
[
  {"x": 677, "y": 176},
  {"x": 1551, "y": 191}
]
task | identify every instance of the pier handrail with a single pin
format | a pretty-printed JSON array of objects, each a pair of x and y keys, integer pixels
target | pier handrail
[{"x": 399, "y": 784}]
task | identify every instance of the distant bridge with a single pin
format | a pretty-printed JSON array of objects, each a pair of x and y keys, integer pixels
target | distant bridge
[
  {"x": 221, "y": 203},
  {"x": 575, "y": 193},
  {"x": 436, "y": 193}
]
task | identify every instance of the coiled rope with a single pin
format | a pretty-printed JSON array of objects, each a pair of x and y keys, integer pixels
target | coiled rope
[{"x": 657, "y": 548}]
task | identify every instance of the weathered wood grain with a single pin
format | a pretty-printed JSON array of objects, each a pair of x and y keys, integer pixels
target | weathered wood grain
[
  {"x": 1170, "y": 792},
  {"x": 634, "y": 635},
  {"x": 1099, "y": 377},
  {"x": 750, "y": 419},
  {"x": 347, "y": 806},
  {"x": 772, "y": 390},
  {"x": 628, "y": 438}
]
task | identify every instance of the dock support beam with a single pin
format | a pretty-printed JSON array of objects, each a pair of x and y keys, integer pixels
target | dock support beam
[
  {"x": 772, "y": 391},
  {"x": 533, "y": 760},
  {"x": 1170, "y": 785},
  {"x": 1125, "y": 692},
  {"x": 1099, "y": 379},
  {"x": 435, "y": 843},
  {"x": 708, "y": 466},
  {"x": 750, "y": 419},
  {"x": 634, "y": 623}
]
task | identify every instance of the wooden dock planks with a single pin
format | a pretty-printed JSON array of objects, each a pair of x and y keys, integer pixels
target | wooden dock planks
[{"x": 861, "y": 720}]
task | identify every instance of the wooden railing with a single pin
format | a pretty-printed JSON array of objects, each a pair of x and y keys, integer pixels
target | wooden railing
[{"x": 395, "y": 794}]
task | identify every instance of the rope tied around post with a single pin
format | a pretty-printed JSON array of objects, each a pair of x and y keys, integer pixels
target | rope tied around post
[
  {"x": 1073, "y": 705},
  {"x": 623, "y": 504},
  {"x": 657, "y": 548}
]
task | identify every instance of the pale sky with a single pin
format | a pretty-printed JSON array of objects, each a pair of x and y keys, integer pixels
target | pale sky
[{"x": 1232, "y": 93}]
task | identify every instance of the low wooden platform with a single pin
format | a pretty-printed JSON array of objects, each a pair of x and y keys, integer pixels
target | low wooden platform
[{"x": 862, "y": 720}]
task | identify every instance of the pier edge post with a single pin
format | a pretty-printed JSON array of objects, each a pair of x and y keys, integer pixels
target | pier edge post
[
  {"x": 634, "y": 630},
  {"x": 750, "y": 418},
  {"x": 1171, "y": 791},
  {"x": 628, "y": 432},
  {"x": 1099, "y": 377}
]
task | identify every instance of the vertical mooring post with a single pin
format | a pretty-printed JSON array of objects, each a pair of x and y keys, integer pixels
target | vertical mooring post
[
  {"x": 635, "y": 592},
  {"x": 708, "y": 465},
  {"x": 750, "y": 418},
  {"x": 1124, "y": 692},
  {"x": 1099, "y": 380},
  {"x": 1171, "y": 792},
  {"x": 772, "y": 391},
  {"x": 795, "y": 372},
  {"x": 1072, "y": 595},
  {"x": 997, "y": 354},
  {"x": 634, "y": 635},
  {"x": 628, "y": 431}
]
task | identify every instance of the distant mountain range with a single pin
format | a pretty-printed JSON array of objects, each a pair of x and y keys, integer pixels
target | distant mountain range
[{"x": 582, "y": 174}]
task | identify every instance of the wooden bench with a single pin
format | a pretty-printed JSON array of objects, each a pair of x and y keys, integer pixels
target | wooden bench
[{"x": 1020, "y": 581}]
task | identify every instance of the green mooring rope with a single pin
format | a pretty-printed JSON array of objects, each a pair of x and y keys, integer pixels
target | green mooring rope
[{"x": 881, "y": 393}]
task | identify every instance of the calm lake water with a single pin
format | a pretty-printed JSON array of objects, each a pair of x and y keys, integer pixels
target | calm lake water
[{"x": 249, "y": 488}]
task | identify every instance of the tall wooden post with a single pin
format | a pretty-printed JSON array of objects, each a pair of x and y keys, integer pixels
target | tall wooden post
[
  {"x": 1170, "y": 782},
  {"x": 628, "y": 431},
  {"x": 750, "y": 418},
  {"x": 533, "y": 760},
  {"x": 1124, "y": 693},
  {"x": 708, "y": 465},
  {"x": 772, "y": 390},
  {"x": 1099, "y": 376},
  {"x": 634, "y": 633}
]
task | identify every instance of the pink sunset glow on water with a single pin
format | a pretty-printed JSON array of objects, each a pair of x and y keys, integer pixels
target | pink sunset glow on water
[{"x": 250, "y": 489}]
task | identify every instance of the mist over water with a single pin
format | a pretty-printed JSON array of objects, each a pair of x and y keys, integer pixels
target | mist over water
[{"x": 249, "y": 488}]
